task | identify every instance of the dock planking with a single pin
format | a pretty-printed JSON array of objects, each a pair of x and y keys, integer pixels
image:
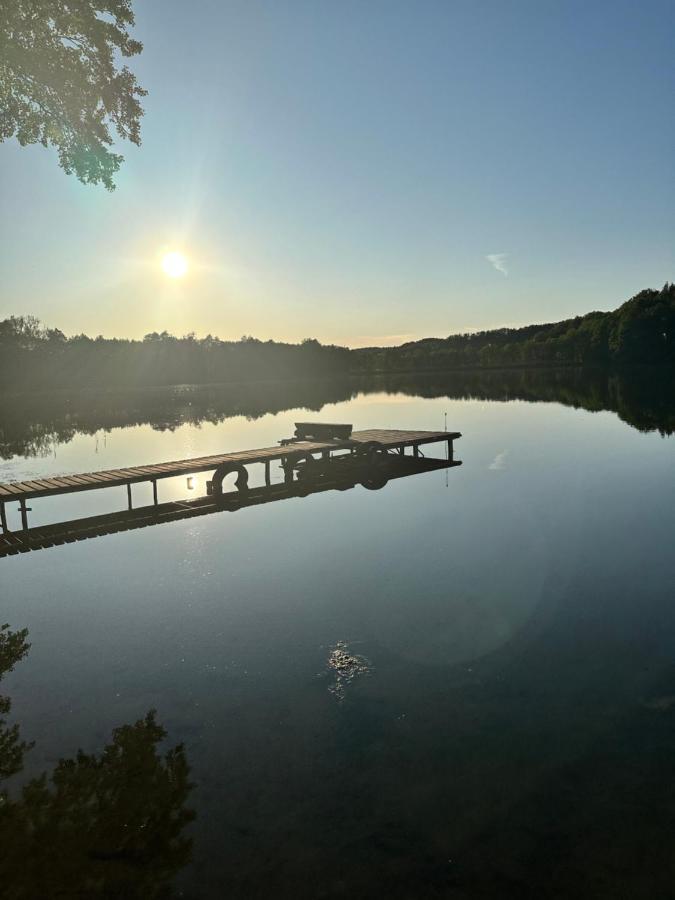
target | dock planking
[
  {"x": 68, "y": 532},
  {"x": 390, "y": 439}
]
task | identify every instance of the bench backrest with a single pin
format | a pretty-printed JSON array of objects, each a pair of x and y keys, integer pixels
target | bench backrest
[{"x": 321, "y": 431}]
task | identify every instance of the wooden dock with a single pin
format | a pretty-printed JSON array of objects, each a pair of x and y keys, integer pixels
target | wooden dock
[
  {"x": 338, "y": 479},
  {"x": 291, "y": 455}
]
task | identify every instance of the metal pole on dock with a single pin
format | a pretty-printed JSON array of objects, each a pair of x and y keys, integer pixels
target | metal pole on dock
[{"x": 24, "y": 516}]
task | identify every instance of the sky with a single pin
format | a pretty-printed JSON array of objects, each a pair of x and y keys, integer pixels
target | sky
[{"x": 363, "y": 172}]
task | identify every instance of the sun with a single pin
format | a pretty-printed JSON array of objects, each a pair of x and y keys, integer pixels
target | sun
[{"x": 174, "y": 264}]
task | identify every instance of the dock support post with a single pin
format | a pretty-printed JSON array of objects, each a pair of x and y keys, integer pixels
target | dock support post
[
  {"x": 268, "y": 480},
  {"x": 154, "y": 491},
  {"x": 129, "y": 496},
  {"x": 287, "y": 466},
  {"x": 3, "y": 518},
  {"x": 24, "y": 516},
  {"x": 416, "y": 450},
  {"x": 451, "y": 450}
]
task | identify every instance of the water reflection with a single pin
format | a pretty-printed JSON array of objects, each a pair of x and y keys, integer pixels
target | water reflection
[
  {"x": 99, "y": 825},
  {"x": 31, "y": 424},
  {"x": 514, "y": 736},
  {"x": 338, "y": 475},
  {"x": 13, "y": 648}
]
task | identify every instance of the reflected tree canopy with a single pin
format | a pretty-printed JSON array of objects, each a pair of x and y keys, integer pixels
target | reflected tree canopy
[
  {"x": 31, "y": 424},
  {"x": 13, "y": 648},
  {"x": 100, "y": 825}
]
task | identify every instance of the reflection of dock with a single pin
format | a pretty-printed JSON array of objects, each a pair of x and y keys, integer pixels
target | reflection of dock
[
  {"x": 337, "y": 475},
  {"x": 293, "y": 454}
]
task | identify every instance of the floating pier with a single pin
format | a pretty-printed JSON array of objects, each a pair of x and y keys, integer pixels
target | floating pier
[{"x": 303, "y": 458}]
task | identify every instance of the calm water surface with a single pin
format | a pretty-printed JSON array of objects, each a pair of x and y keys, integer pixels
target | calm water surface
[{"x": 461, "y": 685}]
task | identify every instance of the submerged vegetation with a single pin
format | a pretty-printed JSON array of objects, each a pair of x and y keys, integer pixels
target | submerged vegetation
[{"x": 33, "y": 357}]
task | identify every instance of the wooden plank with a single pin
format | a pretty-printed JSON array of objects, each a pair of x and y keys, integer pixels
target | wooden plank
[
  {"x": 35, "y": 485},
  {"x": 45, "y": 484},
  {"x": 83, "y": 479},
  {"x": 15, "y": 488},
  {"x": 68, "y": 481},
  {"x": 58, "y": 483},
  {"x": 164, "y": 467}
]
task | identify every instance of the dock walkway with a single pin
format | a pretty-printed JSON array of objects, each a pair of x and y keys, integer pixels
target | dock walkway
[
  {"x": 70, "y": 531},
  {"x": 389, "y": 440}
]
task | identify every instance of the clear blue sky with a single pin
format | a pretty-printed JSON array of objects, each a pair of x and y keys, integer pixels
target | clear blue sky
[{"x": 345, "y": 169}]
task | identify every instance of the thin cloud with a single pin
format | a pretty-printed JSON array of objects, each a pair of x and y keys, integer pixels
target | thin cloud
[
  {"x": 498, "y": 464},
  {"x": 379, "y": 340},
  {"x": 498, "y": 261}
]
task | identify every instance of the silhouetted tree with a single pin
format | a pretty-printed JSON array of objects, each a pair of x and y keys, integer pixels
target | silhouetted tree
[{"x": 60, "y": 83}]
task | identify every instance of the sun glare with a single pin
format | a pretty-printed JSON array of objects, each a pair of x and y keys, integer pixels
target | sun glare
[{"x": 174, "y": 264}]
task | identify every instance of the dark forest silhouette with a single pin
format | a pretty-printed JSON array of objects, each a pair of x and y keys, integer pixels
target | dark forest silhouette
[
  {"x": 642, "y": 330},
  {"x": 33, "y": 357}
]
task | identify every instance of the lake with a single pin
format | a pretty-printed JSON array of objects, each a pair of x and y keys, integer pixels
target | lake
[{"x": 461, "y": 685}]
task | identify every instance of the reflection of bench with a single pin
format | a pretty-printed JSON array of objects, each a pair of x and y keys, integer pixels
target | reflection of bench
[{"x": 321, "y": 431}]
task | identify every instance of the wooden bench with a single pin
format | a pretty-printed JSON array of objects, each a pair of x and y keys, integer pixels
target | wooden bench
[{"x": 322, "y": 431}]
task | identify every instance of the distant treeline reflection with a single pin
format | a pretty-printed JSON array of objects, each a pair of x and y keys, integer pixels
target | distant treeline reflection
[{"x": 31, "y": 424}]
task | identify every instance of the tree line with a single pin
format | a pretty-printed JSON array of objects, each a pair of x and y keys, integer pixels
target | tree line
[
  {"x": 642, "y": 330},
  {"x": 33, "y": 357}
]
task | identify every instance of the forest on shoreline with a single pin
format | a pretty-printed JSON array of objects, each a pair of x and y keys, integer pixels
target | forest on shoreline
[{"x": 34, "y": 357}]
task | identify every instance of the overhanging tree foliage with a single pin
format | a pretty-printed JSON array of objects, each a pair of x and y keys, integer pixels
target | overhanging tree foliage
[{"x": 61, "y": 82}]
